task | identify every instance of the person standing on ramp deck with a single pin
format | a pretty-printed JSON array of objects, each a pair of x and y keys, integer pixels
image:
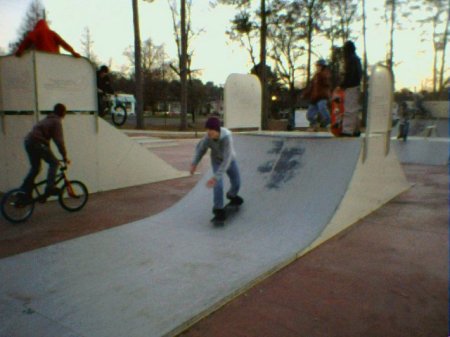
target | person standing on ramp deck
[
  {"x": 223, "y": 160},
  {"x": 318, "y": 93},
  {"x": 351, "y": 85}
]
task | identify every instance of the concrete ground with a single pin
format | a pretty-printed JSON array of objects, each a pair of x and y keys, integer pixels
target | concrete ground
[{"x": 385, "y": 276}]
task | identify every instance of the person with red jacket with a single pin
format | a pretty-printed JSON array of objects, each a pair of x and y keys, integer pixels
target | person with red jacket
[{"x": 42, "y": 38}]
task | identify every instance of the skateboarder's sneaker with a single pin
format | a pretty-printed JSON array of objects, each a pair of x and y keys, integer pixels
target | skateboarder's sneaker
[
  {"x": 219, "y": 214},
  {"x": 313, "y": 128},
  {"x": 354, "y": 134},
  {"x": 236, "y": 200}
]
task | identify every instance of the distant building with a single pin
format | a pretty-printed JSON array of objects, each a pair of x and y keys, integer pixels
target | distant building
[{"x": 173, "y": 108}]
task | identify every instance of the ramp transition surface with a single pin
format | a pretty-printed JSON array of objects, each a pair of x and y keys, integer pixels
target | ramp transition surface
[
  {"x": 425, "y": 151},
  {"x": 153, "y": 276}
]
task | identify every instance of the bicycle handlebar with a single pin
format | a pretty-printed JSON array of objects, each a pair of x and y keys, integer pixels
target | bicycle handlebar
[{"x": 64, "y": 164}]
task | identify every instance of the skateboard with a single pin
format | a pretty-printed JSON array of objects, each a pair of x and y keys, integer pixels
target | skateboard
[
  {"x": 337, "y": 111},
  {"x": 230, "y": 209}
]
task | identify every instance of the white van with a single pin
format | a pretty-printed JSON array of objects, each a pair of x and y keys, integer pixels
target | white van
[{"x": 128, "y": 101}]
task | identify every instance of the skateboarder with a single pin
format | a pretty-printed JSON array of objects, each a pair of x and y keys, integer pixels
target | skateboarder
[
  {"x": 403, "y": 113},
  {"x": 223, "y": 160}
]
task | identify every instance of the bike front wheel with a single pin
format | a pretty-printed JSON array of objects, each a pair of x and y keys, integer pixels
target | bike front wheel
[
  {"x": 119, "y": 115},
  {"x": 73, "y": 196},
  {"x": 15, "y": 208}
]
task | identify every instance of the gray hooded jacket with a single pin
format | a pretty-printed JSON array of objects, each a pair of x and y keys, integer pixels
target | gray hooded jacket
[{"x": 222, "y": 151}]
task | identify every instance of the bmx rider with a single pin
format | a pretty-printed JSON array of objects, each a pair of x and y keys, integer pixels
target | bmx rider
[{"x": 37, "y": 146}]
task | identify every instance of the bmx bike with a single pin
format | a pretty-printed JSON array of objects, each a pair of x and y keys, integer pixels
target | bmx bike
[
  {"x": 16, "y": 207},
  {"x": 111, "y": 105}
]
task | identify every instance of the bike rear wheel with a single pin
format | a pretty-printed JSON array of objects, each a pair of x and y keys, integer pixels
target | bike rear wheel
[
  {"x": 13, "y": 207},
  {"x": 119, "y": 115},
  {"x": 73, "y": 196}
]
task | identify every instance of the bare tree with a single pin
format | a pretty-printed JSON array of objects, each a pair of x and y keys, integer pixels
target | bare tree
[
  {"x": 445, "y": 37},
  {"x": 183, "y": 65},
  {"x": 245, "y": 27},
  {"x": 153, "y": 56},
  {"x": 438, "y": 10},
  {"x": 246, "y": 32},
  {"x": 365, "y": 79},
  {"x": 391, "y": 5},
  {"x": 342, "y": 14},
  {"x": 395, "y": 11},
  {"x": 184, "y": 35},
  {"x": 182, "y": 31},
  {"x": 286, "y": 38},
  {"x": 313, "y": 12},
  {"x": 262, "y": 63},
  {"x": 437, "y": 13},
  {"x": 88, "y": 46}
]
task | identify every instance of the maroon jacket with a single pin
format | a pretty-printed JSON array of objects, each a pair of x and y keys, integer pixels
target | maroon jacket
[
  {"x": 320, "y": 86},
  {"x": 48, "y": 129}
]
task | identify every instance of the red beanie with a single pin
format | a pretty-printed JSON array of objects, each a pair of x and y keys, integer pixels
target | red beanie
[{"x": 213, "y": 123}]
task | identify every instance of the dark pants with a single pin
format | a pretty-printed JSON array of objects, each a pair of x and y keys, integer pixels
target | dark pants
[
  {"x": 102, "y": 104},
  {"x": 36, "y": 152}
]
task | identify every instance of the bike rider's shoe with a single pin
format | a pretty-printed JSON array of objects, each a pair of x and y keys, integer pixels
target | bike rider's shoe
[
  {"x": 52, "y": 191},
  {"x": 236, "y": 200},
  {"x": 23, "y": 199}
]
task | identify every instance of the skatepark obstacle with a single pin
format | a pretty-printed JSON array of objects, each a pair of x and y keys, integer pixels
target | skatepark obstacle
[{"x": 102, "y": 156}]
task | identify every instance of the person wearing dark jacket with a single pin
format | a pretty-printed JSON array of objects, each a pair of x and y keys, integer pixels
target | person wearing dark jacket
[
  {"x": 351, "y": 86},
  {"x": 104, "y": 88},
  {"x": 42, "y": 38},
  {"x": 318, "y": 93},
  {"x": 37, "y": 146}
]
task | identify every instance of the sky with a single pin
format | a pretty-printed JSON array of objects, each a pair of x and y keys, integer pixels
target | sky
[{"x": 110, "y": 24}]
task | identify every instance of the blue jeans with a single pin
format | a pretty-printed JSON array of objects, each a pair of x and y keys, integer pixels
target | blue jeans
[
  {"x": 318, "y": 108},
  {"x": 235, "y": 181}
]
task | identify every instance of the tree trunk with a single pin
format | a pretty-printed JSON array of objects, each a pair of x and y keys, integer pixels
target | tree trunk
[
  {"x": 435, "y": 67},
  {"x": 309, "y": 41},
  {"x": 262, "y": 63},
  {"x": 293, "y": 98},
  {"x": 183, "y": 67},
  {"x": 365, "y": 79},
  {"x": 444, "y": 47},
  {"x": 390, "y": 60},
  {"x": 138, "y": 68},
  {"x": 436, "y": 49}
]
